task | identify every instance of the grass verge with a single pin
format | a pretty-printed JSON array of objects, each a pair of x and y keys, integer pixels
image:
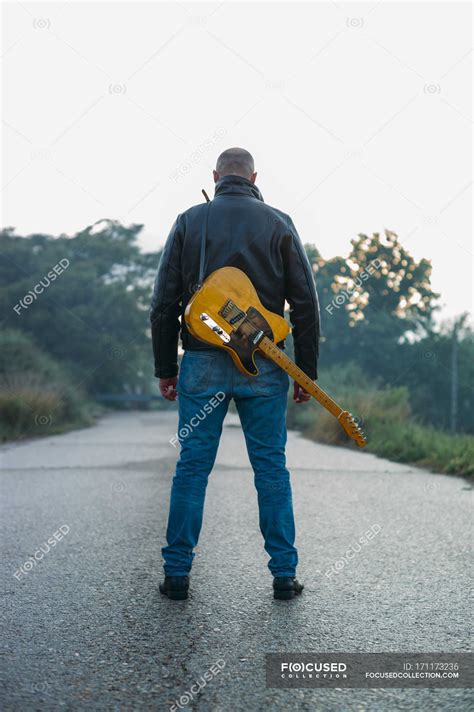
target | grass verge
[{"x": 386, "y": 418}]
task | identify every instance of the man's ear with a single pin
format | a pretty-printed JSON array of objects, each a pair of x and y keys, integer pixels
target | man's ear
[
  {"x": 216, "y": 176},
  {"x": 253, "y": 177}
]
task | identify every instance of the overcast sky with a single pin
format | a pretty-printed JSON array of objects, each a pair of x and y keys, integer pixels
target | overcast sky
[{"x": 358, "y": 116}]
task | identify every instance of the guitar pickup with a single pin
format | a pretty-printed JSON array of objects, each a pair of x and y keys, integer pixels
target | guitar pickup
[{"x": 232, "y": 314}]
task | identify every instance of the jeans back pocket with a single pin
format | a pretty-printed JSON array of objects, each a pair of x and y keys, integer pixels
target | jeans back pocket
[
  {"x": 196, "y": 370},
  {"x": 271, "y": 378}
]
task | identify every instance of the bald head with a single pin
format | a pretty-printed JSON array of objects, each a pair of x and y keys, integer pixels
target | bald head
[{"x": 235, "y": 162}]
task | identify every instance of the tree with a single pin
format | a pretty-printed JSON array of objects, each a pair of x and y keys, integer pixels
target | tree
[
  {"x": 429, "y": 374},
  {"x": 377, "y": 309},
  {"x": 372, "y": 300},
  {"x": 84, "y": 299}
]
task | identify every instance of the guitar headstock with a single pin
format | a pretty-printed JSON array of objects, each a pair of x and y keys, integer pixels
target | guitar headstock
[{"x": 349, "y": 424}]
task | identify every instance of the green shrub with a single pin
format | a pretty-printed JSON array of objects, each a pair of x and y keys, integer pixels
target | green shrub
[{"x": 36, "y": 397}]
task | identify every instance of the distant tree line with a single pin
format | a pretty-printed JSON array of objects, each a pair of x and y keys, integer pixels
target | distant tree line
[
  {"x": 377, "y": 310},
  {"x": 83, "y": 301},
  {"x": 93, "y": 318}
]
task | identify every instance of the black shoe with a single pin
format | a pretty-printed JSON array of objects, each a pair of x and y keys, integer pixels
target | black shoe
[
  {"x": 175, "y": 587},
  {"x": 286, "y": 588}
]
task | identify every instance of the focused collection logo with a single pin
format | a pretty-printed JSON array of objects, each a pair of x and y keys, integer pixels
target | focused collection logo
[
  {"x": 369, "y": 670},
  {"x": 313, "y": 669}
]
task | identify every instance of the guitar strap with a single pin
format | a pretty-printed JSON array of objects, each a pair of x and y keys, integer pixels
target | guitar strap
[{"x": 202, "y": 257}]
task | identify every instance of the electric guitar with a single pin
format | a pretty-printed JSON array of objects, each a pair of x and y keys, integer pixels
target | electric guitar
[{"x": 226, "y": 311}]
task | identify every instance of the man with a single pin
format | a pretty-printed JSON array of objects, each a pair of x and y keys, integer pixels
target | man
[{"x": 246, "y": 233}]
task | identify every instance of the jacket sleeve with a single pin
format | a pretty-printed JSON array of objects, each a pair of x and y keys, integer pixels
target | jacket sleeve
[
  {"x": 301, "y": 295},
  {"x": 166, "y": 305}
]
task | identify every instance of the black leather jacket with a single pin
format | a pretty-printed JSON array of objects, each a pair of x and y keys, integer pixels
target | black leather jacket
[{"x": 246, "y": 233}]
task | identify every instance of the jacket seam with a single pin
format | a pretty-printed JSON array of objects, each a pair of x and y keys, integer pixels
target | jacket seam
[
  {"x": 298, "y": 248},
  {"x": 166, "y": 279}
]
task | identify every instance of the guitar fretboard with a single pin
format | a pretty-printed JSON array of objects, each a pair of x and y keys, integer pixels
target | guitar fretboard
[{"x": 281, "y": 359}]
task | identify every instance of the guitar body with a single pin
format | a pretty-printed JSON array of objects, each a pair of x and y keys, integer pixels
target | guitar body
[{"x": 229, "y": 283}]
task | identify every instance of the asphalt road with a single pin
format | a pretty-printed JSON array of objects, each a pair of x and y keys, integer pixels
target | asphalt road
[{"x": 86, "y": 629}]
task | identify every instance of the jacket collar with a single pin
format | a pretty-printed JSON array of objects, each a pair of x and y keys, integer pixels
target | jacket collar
[{"x": 228, "y": 185}]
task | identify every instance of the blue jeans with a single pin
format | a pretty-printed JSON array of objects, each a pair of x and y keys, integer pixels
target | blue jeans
[{"x": 207, "y": 382}]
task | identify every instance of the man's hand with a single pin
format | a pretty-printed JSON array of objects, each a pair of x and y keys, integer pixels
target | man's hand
[
  {"x": 299, "y": 394},
  {"x": 168, "y": 388}
]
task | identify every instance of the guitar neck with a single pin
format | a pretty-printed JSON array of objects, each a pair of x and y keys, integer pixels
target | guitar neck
[{"x": 271, "y": 350}]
